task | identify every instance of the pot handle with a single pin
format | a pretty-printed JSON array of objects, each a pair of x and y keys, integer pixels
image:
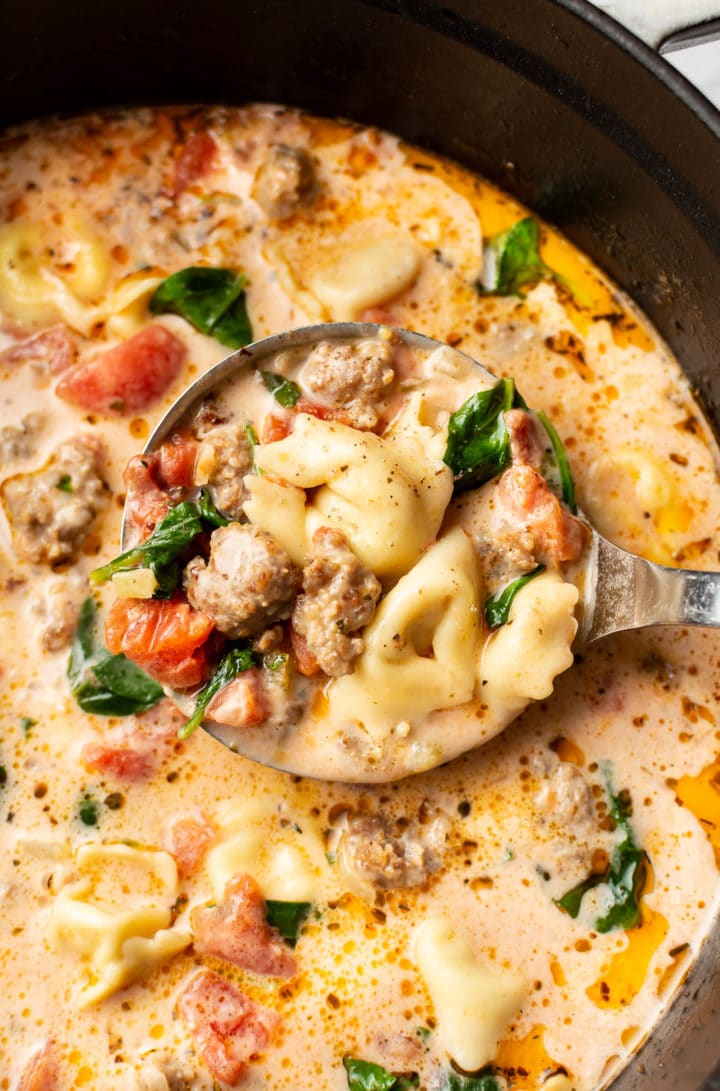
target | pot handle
[{"x": 667, "y": 25}]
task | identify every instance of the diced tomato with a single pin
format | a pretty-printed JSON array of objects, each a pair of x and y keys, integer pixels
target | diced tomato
[
  {"x": 305, "y": 661},
  {"x": 118, "y": 761},
  {"x": 276, "y": 426},
  {"x": 41, "y": 1072},
  {"x": 241, "y": 703},
  {"x": 146, "y": 503},
  {"x": 525, "y": 444},
  {"x": 176, "y": 462},
  {"x": 135, "y": 749},
  {"x": 227, "y": 1027},
  {"x": 557, "y": 535},
  {"x": 189, "y": 840},
  {"x": 236, "y": 929},
  {"x": 126, "y": 378},
  {"x": 150, "y": 478},
  {"x": 167, "y": 639},
  {"x": 52, "y": 349},
  {"x": 195, "y": 161},
  {"x": 323, "y": 412}
]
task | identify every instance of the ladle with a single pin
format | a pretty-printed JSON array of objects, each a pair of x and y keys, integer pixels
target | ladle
[{"x": 621, "y": 591}]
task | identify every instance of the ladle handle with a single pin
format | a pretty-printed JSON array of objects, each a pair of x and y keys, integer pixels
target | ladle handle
[{"x": 632, "y": 593}]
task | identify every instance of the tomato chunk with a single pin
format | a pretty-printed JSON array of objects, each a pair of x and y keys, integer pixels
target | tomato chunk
[
  {"x": 241, "y": 703},
  {"x": 195, "y": 161},
  {"x": 51, "y": 350},
  {"x": 167, "y": 639},
  {"x": 236, "y": 929},
  {"x": 153, "y": 479},
  {"x": 557, "y": 535},
  {"x": 188, "y": 841},
  {"x": 129, "y": 376},
  {"x": 227, "y": 1027},
  {"x": 305, "y": 661}
]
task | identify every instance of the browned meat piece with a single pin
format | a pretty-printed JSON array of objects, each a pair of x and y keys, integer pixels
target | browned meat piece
[
  {"x": 58, "y": 609},
  {"x": 224, "y": 457},
  {"x": 52, "y": 511},
  {"x": 284, "y": 182},
  {"x": 20, "y": 440},
  {"x": 248, "y": 584},
  {"x": 353, "y": 377},
  {"x": 373, "y": 851},
  {"x": 339, "y": 598}
]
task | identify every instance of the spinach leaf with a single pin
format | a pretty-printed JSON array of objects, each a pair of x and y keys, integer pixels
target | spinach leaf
[
  {"x": 162, "y": 551},
  {"x": 285, "y": 391},
  {"x": 105, "y": 684},
  {"x": 478, "y": 446},
  {"x": 65, "y": 483},
  {"x": 287, "y": 918},
  {"x": 366, "y": 1076},
  {"x": 210, "y": 299},
  {"x": 497, "y": 607},
  {"x": 481, "y": 1081},
  {"x": 235, "y": 661},
  {"x": 512, "y": 260},
  {"x": 208, "y": 512},
  {"x": 563, "y": 462},
  {"x": 624, "y": 877},
  {"x": 88, "y": 811}
]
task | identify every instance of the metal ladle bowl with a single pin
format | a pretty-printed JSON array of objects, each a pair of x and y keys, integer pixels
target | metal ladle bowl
[{"x": 620, "y": 591}]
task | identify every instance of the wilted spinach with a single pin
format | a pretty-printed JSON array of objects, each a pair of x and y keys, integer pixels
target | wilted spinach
[
  {"x": 513, "y": 262},
  {"x": 210, "y": 299},
  {"x": 287, "y": 918},
  {"x": 238, "y": 659},
  {"x": 367, "y": 1076},
  {"x": 285, "y": 391},
  {"x": 497, "y": 607},
  {"x": 478, "y": 446}
]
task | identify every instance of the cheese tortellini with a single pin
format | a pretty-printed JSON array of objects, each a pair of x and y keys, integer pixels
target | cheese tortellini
[
  {"x": 521, "y": 659},
  {"x": 473, "y": 1003},
  {"x": 388, "y": 505},
  {"x": 421, "y": 646},
  {"x": 117, "y": 915},
  {"x": 53, "y": 274}
]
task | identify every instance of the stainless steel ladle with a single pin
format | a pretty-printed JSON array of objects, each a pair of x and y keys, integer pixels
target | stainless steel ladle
[{"x": 621, "y": 591}]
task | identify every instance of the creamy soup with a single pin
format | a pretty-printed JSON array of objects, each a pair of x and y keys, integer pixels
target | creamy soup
[{"x": 175, "y": 916}]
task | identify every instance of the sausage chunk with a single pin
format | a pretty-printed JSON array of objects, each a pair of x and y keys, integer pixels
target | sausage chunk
[
  {"x": 20, "y": 440},
  {"x": 374, "y": 850},
  {"x": 284, "y": 182},
  {"x": 58, "y": 609},
  {"x": 223, "y": 459},
  {"x": 248, "y": 584},
  {"x": 352, "y": 377},
  {"x": 52, "y": 511},
  {"x": 339, "y": 597}
]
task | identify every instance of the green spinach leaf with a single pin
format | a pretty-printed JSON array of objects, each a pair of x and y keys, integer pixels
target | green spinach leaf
[
  {"x": 208, "y": 512},
  {"x": 497, "y": 607},
  {"x": 563, "y": 462},
  {"x": 105, "y": 684},
  {"x": 235, "y": 661},
  {"x": 366, "y": 1076},
  {"x": 624, "y": 877},
  {"x": 285, "y": 391},
  {"x": 287, "y": 918},
  {"x": 162, "y": 552},
  {"x": 88, "y": 811},
  {"x": 480, "y": 1081},
  {"x": 210, "y": 299},
  {"x": 513, "y": 262},
  {"x": 478, "y": 446}
]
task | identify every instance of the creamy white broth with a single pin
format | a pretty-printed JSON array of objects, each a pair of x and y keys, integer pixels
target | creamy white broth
[{"x": 645, "y": 468}]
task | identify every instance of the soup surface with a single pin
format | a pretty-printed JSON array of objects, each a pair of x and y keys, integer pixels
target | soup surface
[{"x": 175, "y": 916}]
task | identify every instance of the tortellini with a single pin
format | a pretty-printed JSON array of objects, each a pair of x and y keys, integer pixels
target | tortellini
[
  {"x": 420, "y": 648},
  {"x": 288, "y": 872},
  {"x": 53, "y": 274},
  {"x": 366, "y": 274},
  {"x": 522, "y": 658},
  {"x": 473, "y": 1003},
  {"x": 385, "y": 496},
  {"x": 118, "y": 915}
]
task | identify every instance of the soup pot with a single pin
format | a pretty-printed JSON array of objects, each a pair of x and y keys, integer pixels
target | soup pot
[{"x": 548, "y": 98}]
